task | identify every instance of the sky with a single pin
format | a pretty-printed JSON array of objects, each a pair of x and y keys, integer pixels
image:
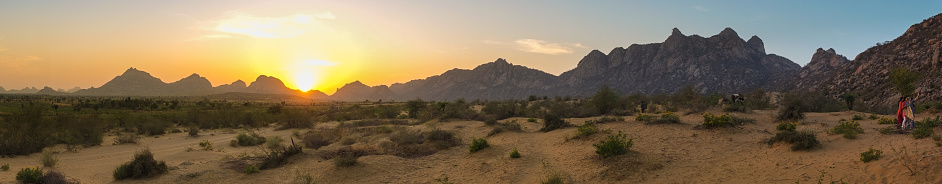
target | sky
[{"x": 313, "y": 44}]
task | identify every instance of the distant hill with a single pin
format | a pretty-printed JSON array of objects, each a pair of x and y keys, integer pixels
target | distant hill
[
  {"x": 134, "y": 82},
  {"x": 917, "y": 50},
  {"x": 494, "y": 80}
]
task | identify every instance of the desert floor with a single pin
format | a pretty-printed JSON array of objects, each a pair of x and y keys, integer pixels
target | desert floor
[{"x": 663, "y": 153}]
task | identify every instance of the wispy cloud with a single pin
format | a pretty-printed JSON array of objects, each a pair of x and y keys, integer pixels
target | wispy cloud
[
  {"x": 700, "y": 8},
  {"x": 274, "y": 27},
  {"x": 14, "y": 61},
  {"x": 539, "y": 46}
]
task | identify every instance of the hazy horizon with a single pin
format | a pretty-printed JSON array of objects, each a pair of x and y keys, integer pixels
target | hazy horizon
[{"x": 323, "y": 45}]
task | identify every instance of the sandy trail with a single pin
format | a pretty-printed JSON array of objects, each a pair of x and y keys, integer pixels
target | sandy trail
[{"x": 675, "y": 153}]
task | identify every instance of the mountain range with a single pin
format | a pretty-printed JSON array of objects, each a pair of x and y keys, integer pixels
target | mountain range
[{"x": 723, "y": 63}]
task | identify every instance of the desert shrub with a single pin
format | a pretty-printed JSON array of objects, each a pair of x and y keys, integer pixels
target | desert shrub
[
  {"x": 442, "y": 139},
  {"x": 249, "y": 139},
  {"x": 873, "y": 117},
  {"x": 143, "y": 166},
  {"x": 315, "y": 141},
  {"x": 478, "y": 145},
  {"x": 295, "y": 118},
  {"x": 857, "y": 117},
  {"x": 5, "y": 167},
  {"x": 249, "y": 169},
  {"x": 407, "y": 137},
  {"x": 147, "y": 125},
  {"x": 586, "y": 129},
  {"x": 850, "y": 129},
  {"x": 30, "y": 175},
  {"x": 668, "y": 117},
  {"x": 793, "y": 109},
  {"x": 514, "y": 153},
  {"x": 504, "y": 127},
  {"x": 279, "y": 156},
  {"x": 345, "y": 161},
  {"x": 642, "y": 117},
  {"x": 274, "y": 143},
  {"x": 726, "y": 120},
  {"x": 931, "y": 122},
  {"x": 888, "y": 130},
  {"x": 922, "y": 132},
  {"x": 605, "y": 100},
  {"x": 490, "y": 122},
  {"x": 48, "y": 158},
  {"x": 193, "y": 131},
  {"x": 206, "y": 145},
  {"x": 787, "y": 126},
  {"x": 127, "y": 138},
  {"x": 555, "y": 178},
  {"x": 613, "y": 145},
  {"x": 531, "y": 120},
  {"x": 552, "y": 122},
  {"x": 870, "y": 155},
  {"x": 800, "y": 140},
  {"x": 884, "y": 121},
  {"x": 56, "y": 177},
  {"x": 25, "y": 131},
  {"x": 735, "y": 107}
]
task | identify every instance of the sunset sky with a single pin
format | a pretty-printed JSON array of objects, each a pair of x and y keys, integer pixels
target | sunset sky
[{"x": 325, "y": 44}]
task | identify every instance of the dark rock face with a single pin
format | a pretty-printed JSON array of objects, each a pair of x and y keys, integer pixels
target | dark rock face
[
  {"x": 191, "y": 85},
  {"x": 722, "y": 63},
  {"x": 132, "y": 82},
  {"x": 494, "y": 80},
  {"x": 917, "y": 49},
  {"x": 357, "y": 91},
  {"x": 815, "y": 75}
]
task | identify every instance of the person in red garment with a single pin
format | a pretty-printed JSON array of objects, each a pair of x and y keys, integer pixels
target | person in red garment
[{"x": 899, "y": 113}]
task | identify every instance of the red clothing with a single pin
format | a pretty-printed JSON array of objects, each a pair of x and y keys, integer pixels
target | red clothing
[{"x": 899, "y": 113}]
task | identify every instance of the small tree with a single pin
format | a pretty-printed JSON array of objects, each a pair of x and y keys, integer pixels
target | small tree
[
  {"x": 849, "y": 100},
  {"x": 605, "y": 100},
  {"x": 413, "y": 107},
  {"x": 903, "y": 80}
]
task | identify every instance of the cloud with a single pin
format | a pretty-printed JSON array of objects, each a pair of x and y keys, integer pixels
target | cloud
[
  {"x": 14, "y": 62},
  {"x": 543, "y": 47},
  {"x": 539, "y": 46},
  {"x": 274, "y": 27},
  {"x": 700, "y": 8}
]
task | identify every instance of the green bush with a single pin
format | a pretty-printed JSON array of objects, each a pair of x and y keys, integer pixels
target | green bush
[
  {"x": 888, "y": 130},
  {"x": 249, "y": 169},
  {"x": 250, "y": 139},
  {"x": 503, "y": 127},
  {"x": 30, "y": 175},
  {"x": 857, "y": 117},
  {"x": 642, "y": 117},
  {"x": 735, "y": 107},
  {"x": 552, "y": 122},
  {"x": 5, "y": 167},
  {"x": 726, "y": 120},
  {"x": 143, "y": 166},
  {"x": 787, "y": 126},
  {"x": 792, "y": 110},
  {"x": 478, "y": 145},
  {"x": 885, "y": 121},
  {"x": 850, "y": 129},
  {"x": 800, "y": 140},
  {"x": 345, "y": 161},
  {"x": 666, "y": 118},
  {"x": 278, "y": 157},
  {"x": 206, "y": 145},
  {"x": 613, "y": 145},
  {"x": 587, "y": 129},
  {"x": 922, "y": 132},
  {"x": 873, "y": 117},
  {"x": 127, "y": 138},
  {"x": 514, "y": 153},
  {"x": 870, "y": 155},
  {"x": 531, "y": 120},
  {"x": 274, "y": 143}
]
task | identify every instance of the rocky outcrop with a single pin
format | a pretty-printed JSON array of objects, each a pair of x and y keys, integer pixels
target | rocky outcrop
[
  {"x": 357, "y": 91},
  {"x": 49, "y": 91},
  {"x": 132, "y": 82},
  {"x": 490, "y": 81},
  {"x": 723, "y": 63},
  {"x": 917, "y": 50},
  {"x": 191, "y": 85},
  {"x": 269, "y": 85}
]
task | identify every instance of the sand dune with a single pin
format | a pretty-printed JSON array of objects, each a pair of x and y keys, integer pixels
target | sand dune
[{"x": 666, "y": 153}]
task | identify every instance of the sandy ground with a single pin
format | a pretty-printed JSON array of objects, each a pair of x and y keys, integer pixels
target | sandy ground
[{"x": 666, "y": 153}]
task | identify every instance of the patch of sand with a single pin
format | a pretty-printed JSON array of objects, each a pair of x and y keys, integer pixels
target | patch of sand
[{"x": 664, "y": 153}]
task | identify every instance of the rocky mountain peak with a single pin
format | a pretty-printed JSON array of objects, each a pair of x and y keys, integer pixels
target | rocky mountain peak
[
  {"x": 135, "y": 72},
  {"x": 677, "y": 32},
  {"x": 729, "y": 32},
  {"x": 756, "y": 43},
  {"x": 501, "y": 61}
]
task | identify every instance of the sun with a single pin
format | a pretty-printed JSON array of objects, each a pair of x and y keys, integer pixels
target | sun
[{"x": 304, "y": 81}]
